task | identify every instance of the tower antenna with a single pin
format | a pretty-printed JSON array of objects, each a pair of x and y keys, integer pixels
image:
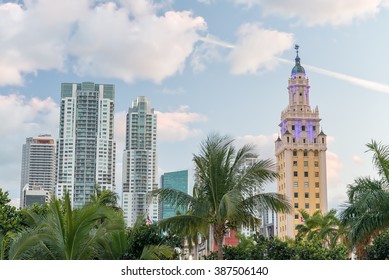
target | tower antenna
[{"x": 296, "y": 47}]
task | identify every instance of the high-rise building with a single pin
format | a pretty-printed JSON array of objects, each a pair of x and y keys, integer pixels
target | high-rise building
[
  {"x": 38, "y": 168},
  {"x": 301, "y": 154},
  {"x": 177, "y": 180},
  {"x": 86, "y": 146},
  {"x": 140, "y": 163}
]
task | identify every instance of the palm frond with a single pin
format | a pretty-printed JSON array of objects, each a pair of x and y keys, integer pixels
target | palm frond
[
  {"x": 273, "y": 201},
  {"x": 380, "y": 158},
  {"x": 174, "y": 197},
  {"x": 186, "y": 225},
  {"x": 156, "y": 252}
]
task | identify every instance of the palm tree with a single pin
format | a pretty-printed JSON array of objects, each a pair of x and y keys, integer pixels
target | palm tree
[
  {"x": 327, "y": 228},
  {"x": 225, "y": 194},
  {"x": 121, "y": 245},
  {"x": 367, "y": 209},
  {"x": 65, "y": 233},
  {"x": 106, "y": 198}
]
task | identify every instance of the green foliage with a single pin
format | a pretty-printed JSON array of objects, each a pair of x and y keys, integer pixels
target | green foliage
[
  {"x": 147, "y": 242},
  {"x": 314, "y": 250},
  {"x": 367, "y": 210},
  {"x": 139, "y": 236},
  {"x": 379, "y": 250},
  {"x": 226, "y": 194},
  {"x": 327, "y": 228},
  {"x": 10, "y": 219},
  {"x": 260, "y": 248},
  {"x": 66, "y": 233}
]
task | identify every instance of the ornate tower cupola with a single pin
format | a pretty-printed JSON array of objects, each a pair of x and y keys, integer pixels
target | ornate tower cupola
[
  {"x": 298, "y": 87},
  {"x": 297, "y": 69}
]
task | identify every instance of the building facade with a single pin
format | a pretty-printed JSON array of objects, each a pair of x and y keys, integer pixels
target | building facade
[
  {"x": 177, "y": 180},
  {"x": 301, "y": 154},
  {"x": 86, "y": 146},
  {"x": 38, "y": 167},
  {"x": 140, "y": 163}
]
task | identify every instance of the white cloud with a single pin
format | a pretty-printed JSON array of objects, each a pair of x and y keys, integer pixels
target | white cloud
[
  {"x": 257, "y": 48},
  {"x": 357, "y": 160},
  {"x": 336, "y": 187},
  {"x": 320, "y": 12},
  {"x": 128, "y": 40},
  {"x": 205, "y": 53},
  {"x": 22, "y": 118},
  {"x": 148, "y": 47},
  {"x": 176, "y": 126},
  {"x": 264, "y": 144}
]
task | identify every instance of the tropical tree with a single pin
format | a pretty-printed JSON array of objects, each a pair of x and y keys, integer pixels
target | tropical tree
[
  {"x": 367, "y": 210},
  {"x": 379, "y": 249},
  {"x": 327, "y": 227},
  {"x": 146, "y": 242},
  {"x": 106, "y": 198},
  {"x": 225, "y": 194},
  {"x": 141, "y": 242},
  {"x": 10, "y": 219},
  {"x": 66, "y": 233}
]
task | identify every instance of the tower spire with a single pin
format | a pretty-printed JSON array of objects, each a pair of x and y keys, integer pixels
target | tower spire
[
  {"x": 296, "y": 47},
  {"x": 297, "y": 67}
]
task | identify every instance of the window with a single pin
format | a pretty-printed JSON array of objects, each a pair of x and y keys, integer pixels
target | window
[
  {"x": 314, "y": 140},
  {"x": 317, "y": 195},
  {"x": 295, "y": 153},
  {"x": 306, "y": 185},
  {"x": 306, "y": 205},
  {"x": 306, "y": 195},
  {"x": 316, "y": 174},
  {"x": 295, "y": 163},
  {"x": 296, "y": 195},
  {"x": 294, "y": 140},
  {"x": 305, "y": 153},
  {"x": 295, "y": 174},
  {"x": 306, "y": 174},
  {"x": 303, "y": 128},
  {"x": 287, "y": 139},
  {"x": 293, "y": 127},
  {"x": 322, "y": 140},
  {"x": 316, "y": 164},
  {"x": 304, "y": 140},
  {"x": 295, "y": 184},
  {"x": 314, "y": 128},
  {"x": 296, "y": 216},
  {"x": 316, "y": 153},
  {"x": 296, "y": 205},
  {"x": 317, "y": 184},
  {"x": 317, "y": 205},
  {"x": 305, "y": 163}
]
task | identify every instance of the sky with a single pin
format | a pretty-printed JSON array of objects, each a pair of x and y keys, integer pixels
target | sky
[{"x": 205, "y": 66}]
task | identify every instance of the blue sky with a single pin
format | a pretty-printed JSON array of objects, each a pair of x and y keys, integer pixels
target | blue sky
[{"x": 205, "y": 65}]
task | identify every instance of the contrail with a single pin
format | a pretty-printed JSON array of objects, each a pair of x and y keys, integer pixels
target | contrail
[
  {"x": 350, "y": 79},
  {"x": 353, "y": 80},
  {"x": 217, "y": 42}
]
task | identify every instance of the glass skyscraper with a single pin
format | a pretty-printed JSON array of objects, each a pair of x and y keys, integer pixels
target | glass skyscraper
[
  {"x": 86, "y": 146},
  {"x": 140, "y": 163},
  {"x": 177, "y": 180}
]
